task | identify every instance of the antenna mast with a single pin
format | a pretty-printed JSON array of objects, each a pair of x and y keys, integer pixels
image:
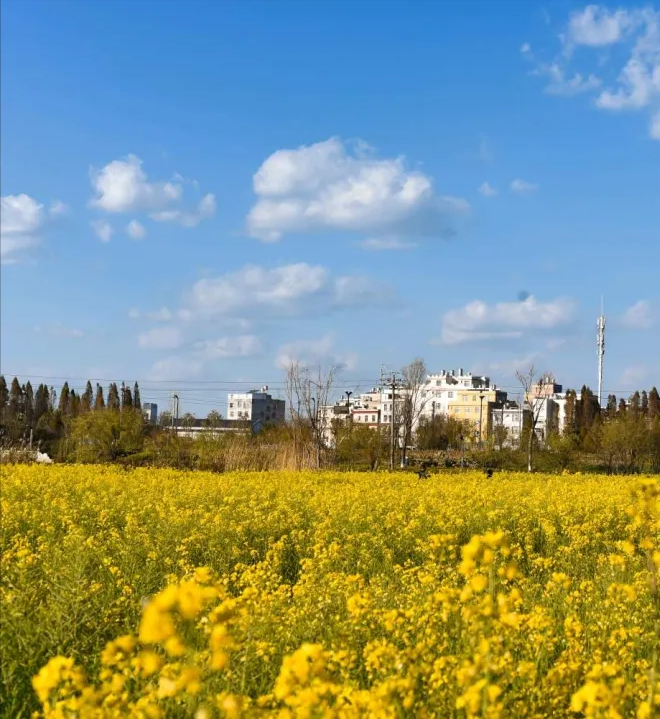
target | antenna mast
[{"x": 601, "y": 351}]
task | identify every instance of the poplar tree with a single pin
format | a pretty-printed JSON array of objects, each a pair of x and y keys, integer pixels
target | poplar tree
[
  {"x": 28, "y": 404},
  {"x": 113, "y": 396},
  {"x": 654, "y": 404},
  {"x": 635, "y": 402},
  {"x": 41, "y": 402},
  {"x": 644, "y": 403},
  {"x": 137, "y": 401},
  {"x": 99, "y": 402},
  {"x": 4, "y": 397},
  {"x": 64, "y": 405},
  {"x": 623, "y": 408},
  {"x": 87, "y": 398},
  {"x": 15, "y": 400}
]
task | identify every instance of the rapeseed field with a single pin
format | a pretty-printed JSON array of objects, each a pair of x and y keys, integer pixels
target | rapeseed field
[{"x": 158, "y": 593}]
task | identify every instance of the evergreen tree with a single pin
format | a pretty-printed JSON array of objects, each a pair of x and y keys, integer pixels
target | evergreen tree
[
  {"x": 654, "y": 404},
  {"x": 635, "y": 403},
  {"x": 127, "y": 402},
  {"x": 4, "y": 398},
  {"x": 15, "y": 400},
  {"x": 63, "y": 405},
  {"x": 137, "y": 401},
  {"x": 570, "y": 423},
  {"x": 611, "y": 405},
  {"x": 99, "y": 402},
  {"x": 87, "y": 398},
  {"x": 623, "y": 408},
  {"x": 28, "y": 404},
  {"x": 644, "y": 404},
  {"x": 113, "y": 396},
  {"x": 74, "y": 403},
  {"x": 41, "y": 402}
]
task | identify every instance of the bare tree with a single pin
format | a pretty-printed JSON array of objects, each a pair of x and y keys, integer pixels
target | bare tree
[
  {"x": 308, "y": 391},
  {"x": 412, "y": 402},
  {"x": 534, "y": 397}
]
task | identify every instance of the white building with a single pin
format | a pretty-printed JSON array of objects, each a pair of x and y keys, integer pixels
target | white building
[
  {"x": 511, "y": 417},
  {"x": 256, "y": 405},
  {"x": 441, "y": 390}
]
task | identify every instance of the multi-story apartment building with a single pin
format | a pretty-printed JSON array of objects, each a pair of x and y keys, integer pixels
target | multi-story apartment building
[
  {"x": 256, "y": 405},
  {"x": 511, "y": 417},
  {"x": 150, "y": 412},
  {"x": 463, "y": 396}
]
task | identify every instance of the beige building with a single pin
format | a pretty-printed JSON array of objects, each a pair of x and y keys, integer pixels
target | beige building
[{"x": 475, "y": 405}]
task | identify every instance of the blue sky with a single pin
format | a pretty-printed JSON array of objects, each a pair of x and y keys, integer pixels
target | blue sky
[{"x": 196, "y": 193}]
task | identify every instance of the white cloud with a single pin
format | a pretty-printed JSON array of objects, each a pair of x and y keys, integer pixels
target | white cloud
[
  {"x": 478, "y": 321},
  {"x": 509, "y": 367},
  {"x": 639, "y": 316},
  {"x": 103, "y": 230},
  {"x": 59, "y": 331},
  {"x": 135, "y": 230},
  {"x": 596, "y": 26},
  {"x": 487, "y": 190},
  {"x": 561, "y": 85},
  {"x": 122, "y": 186},
  {"x": 387, "y": 243},
  {"x": 21, "y": 218},
  {"x": 224, "y": 347},
  {"x": 525, "y": 48},
  {"x": 485, "y": 152},
  {"x": 521, "y": 187},
  {"x": 161, "y": 338},
  {"x": 205, "y": 209},
  {"x": 289, "y": 289},
  {"x": 313, "y": 352},
  {"x": 328, "y": 187},
  {"x": 637, "y": 85},
  {"x": 57, "y": 208}
]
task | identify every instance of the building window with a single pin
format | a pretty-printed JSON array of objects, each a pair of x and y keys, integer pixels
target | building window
[
  {"x": 231, "y": 405},
  {"x": 373, "y": 417},
  {"x": 450, "y": 395}
]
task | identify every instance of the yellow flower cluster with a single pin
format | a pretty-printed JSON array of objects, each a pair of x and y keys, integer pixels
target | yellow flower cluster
[{"x": 156, "y": 593}]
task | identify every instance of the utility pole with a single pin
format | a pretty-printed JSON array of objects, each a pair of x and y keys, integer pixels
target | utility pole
[
  {"x": 175, "y": 413},
  {"x": 392, "y": 385},
  {"x": 601, "y": 352}
]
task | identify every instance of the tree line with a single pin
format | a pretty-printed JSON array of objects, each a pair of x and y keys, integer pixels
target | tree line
[{"x": 43, "y": 415}]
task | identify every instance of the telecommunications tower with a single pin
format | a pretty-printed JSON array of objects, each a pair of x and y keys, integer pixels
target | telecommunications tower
[{"x": 601, "y": 352}]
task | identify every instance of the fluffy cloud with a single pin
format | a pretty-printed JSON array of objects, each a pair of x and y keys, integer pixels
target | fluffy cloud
[
  {"x": 202, "y": 353},
  {"x": 521, "y": 187},
  {"x": 285, "y": 290},
  {"x": 329, "y": 186},
  {"x": 478, "y": 321},
  {"x": 487, "y": 190},
  {"x": 595, "y": 26},
  {"x": 204, "y": 210},
  {"x": 123, "y": 186},
  {"x": 637, "y": 84},
  {"x": 103, "y": 229},
  {"x": 135, "y": 230},
  {"x": 639, "y": 316},
  {"x": 313, "y": 352},
  {"x": 161, "y": 338},
  {"x": 224, "y": 347},
  {"x": 21, "y": 218}
]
